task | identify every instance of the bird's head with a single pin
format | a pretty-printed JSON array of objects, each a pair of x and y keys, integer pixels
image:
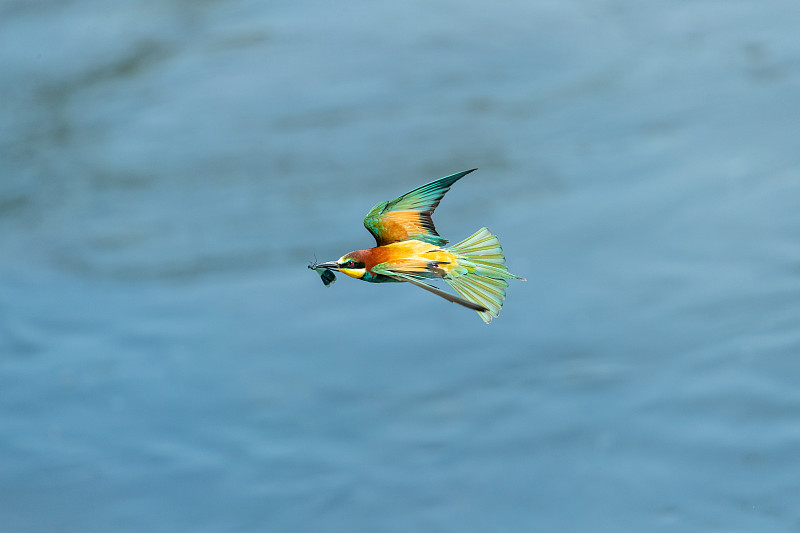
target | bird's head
[{"x": 350, "y": 264}]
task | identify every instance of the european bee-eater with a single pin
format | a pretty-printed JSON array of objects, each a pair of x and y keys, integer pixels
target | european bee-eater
[{"x": 409, "y": 249}]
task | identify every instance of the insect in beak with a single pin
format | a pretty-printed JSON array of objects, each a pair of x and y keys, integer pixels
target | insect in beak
[{"x": 325, "y": 271}]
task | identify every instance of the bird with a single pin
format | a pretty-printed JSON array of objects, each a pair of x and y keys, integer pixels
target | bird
[{"x": 408, "y": 249}]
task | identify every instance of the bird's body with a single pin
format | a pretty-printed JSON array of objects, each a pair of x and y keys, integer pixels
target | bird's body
[
  {"x": 409, "y": 249},
  {"x": 411, "y": 256}
]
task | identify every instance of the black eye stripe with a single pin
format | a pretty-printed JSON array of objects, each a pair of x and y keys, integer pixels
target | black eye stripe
[{"x": 353, "y": 264}]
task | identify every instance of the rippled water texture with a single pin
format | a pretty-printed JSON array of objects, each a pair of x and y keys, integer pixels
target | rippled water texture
[{"x": 169, "y": 168}]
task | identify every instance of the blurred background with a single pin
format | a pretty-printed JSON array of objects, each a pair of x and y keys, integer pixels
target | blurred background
[{"x": 168, "y": 168}]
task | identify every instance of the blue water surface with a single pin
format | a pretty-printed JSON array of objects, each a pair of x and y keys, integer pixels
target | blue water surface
[{"x": 169, "y": 168}]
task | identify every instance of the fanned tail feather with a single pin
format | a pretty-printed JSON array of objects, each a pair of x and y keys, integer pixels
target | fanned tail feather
[{"x": 480, "y": 275}]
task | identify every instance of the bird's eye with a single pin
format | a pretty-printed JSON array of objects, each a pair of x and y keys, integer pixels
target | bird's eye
[{"x": 349, "y": 264}]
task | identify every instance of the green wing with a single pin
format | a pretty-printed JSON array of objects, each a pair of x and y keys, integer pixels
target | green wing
[
  {"x": 384, "y": 269},
  {"x": 409, "y": 217}
]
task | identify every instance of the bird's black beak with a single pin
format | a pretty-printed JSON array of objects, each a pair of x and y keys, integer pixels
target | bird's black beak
[{"x": 330, "y": 265}]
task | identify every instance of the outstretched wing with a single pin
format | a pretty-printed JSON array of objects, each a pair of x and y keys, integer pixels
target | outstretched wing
[
  {"x": 409, "y": 217},
  {"x": 411, "y": 276}
]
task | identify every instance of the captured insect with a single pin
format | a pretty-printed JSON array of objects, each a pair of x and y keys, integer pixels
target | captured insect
[{"x": 327, "y": 275}]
